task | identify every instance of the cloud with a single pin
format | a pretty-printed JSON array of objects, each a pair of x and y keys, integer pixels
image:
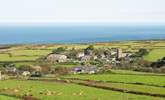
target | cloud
[{"x": 82, "y": 11}]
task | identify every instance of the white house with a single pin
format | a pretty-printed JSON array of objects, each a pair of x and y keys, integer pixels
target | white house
[
  {"x": 85, "y": 58},
  {"x": 57, "y": 58},
  {"x": 79, "y": 55},
  {"x": 26, "y": 73}
]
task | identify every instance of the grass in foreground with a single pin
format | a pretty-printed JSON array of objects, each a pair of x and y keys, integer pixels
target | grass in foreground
[{"x": 65, "y": 91}]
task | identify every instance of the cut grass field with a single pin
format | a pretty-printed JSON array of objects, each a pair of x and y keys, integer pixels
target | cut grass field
[
  {"x": 149, "y": 79},
  {"x": 22, "y": 55},
  {"x": 63, "y": 91},
  {"x": 121, "y": 80},
  {"x": 155, "y": 54},
  {"x": 6, "y": 57},
  {"x": 30, "y": 52}
]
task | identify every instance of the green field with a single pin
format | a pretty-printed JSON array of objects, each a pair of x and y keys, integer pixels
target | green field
[
  {"x": 65, "y": 91},
  {"x": 6, "y": 57},
  {"x": 155, "y": 54},
  {"x": 32, "y": 52},
  {"x": 147, "y": 79},
  {"x": 22, "y": 55},
  {"x": 7, "y": 98},
  {"x": 118, "y": 79}
]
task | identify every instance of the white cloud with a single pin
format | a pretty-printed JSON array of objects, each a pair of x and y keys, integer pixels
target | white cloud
[{"x": 32, "y": 11}]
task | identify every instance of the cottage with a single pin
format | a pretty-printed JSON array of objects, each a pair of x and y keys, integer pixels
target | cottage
[
  {"x": 79, "y": 55},
  {"x": 11, "y": 69},
  {"x": 57, "y": 58},
  {"x": 85, "y": 69},
  {"x": 26, "y": 73},
  {"x": 85, "y": 58}
]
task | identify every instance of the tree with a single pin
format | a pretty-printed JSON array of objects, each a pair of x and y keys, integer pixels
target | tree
[
  {"x": 89, "y": 50},
  {"x": 159, "y": 63},
  {"x": 72, "y": 53},
  {"x": 90, "y": 47},
  {"x": 142, "y": 52},
  {"x": 59, "y": 50}
]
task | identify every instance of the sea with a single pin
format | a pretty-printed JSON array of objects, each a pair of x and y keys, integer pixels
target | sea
[{"x": 78, "y": 33}]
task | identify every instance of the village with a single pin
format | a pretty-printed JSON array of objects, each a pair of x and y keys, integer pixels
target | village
[
  {"x": 87, "y": 61},
  {"x": 55, "y": 71}
]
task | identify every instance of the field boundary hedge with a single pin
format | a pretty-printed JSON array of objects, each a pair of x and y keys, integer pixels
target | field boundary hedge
[{"x": 95, "y": 84}]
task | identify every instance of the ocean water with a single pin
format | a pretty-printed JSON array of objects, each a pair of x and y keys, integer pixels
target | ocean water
[{"x": 78, "y": 34}]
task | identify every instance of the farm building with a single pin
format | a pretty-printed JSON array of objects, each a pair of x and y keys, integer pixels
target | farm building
[
  {"x": 11, "y": 69},
  {"x": 26, "y": 73},
  {"x": 57, "y": 58},
  {"x": 85, "y": 69},
  {"x": 79, "y": 55},
  {"x": 85, "y": 58}
]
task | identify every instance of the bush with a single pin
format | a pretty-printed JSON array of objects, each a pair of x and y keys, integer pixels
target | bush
[
  {"x": 59, "y": 50},
  {"x": 142, "y": 52},
  {"x": 36, "y": 74},
  {"x": 62, "y": 70},
  {"x": 145, "y": 69}
]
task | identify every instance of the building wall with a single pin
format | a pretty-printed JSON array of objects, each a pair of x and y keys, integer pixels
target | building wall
[{"x": 119, "y": 53}]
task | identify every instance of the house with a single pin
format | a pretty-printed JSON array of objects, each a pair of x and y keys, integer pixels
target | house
[
  {"x": 57, "y": 58},
  {"x": 88, "y": 52},
  {"x": 95, "y": 57},
  {"x": 26, "y": 73},
  {"x": 10, "y": 69},
  {"x": 79, "y": 55},
  {"x": 2, "y": 76},
  {"x": 100, "y": 56},
  {"x": 85, "y": 58},
  {"x": 85, "y": 70}
]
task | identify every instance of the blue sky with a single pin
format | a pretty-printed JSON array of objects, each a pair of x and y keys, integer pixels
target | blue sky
[{"x": 57, "y": 11}]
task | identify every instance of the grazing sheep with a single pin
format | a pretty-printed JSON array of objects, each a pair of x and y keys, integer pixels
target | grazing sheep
[
  {"x": 81, "y": 92},
  {"x": 15, "y": 90}
]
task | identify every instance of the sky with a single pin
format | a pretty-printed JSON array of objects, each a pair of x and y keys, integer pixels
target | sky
[{"x": 57, "y": 11}]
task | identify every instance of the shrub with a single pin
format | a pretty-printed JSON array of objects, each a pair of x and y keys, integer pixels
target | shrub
[
  {"x": 142, "y": 52},
  {"x": 59, "y": 50},
  {"x": 62, "y": 70}
]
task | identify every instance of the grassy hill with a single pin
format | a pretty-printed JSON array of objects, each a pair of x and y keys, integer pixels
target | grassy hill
[{"x": 155, "y": 54}]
